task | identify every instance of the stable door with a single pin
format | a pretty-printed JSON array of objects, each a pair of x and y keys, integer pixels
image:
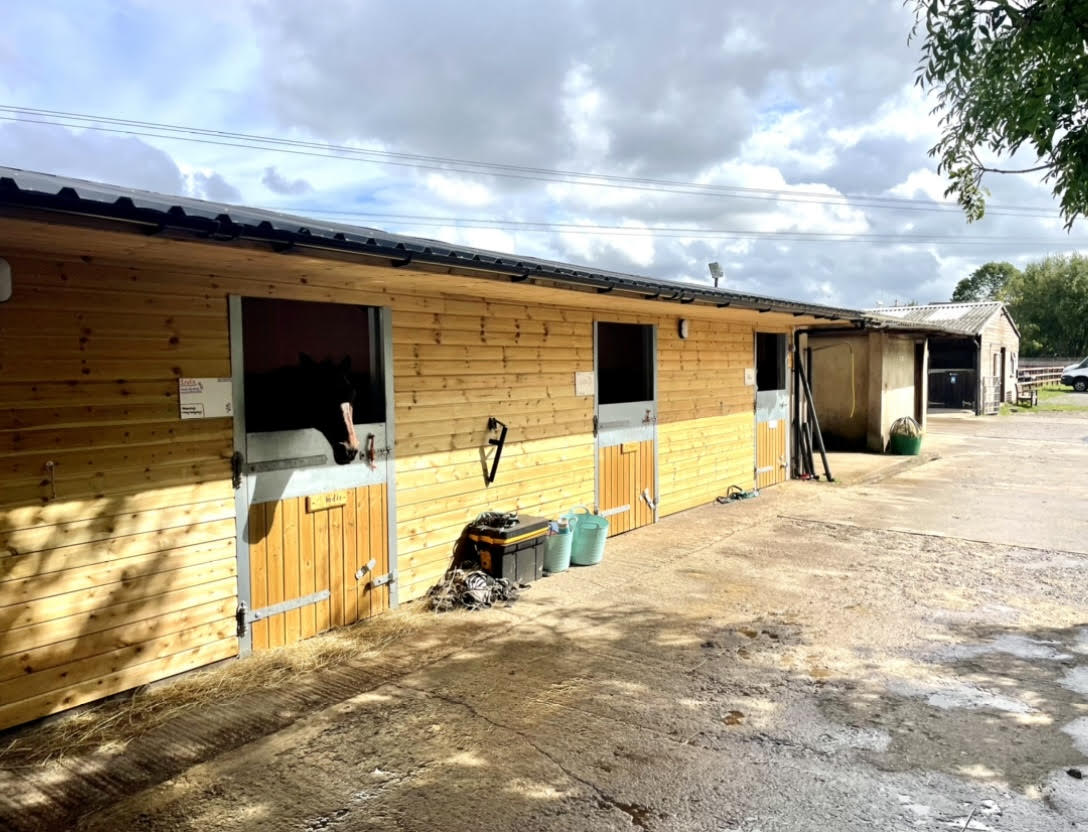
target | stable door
[
  {"x": 772, "y": 410},
  {"x": 313, "y": 467},
  {"x": 626, "y": 424}
]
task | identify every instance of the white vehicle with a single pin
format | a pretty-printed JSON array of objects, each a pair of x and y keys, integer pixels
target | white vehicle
[{"x": 1076, "y": 376}]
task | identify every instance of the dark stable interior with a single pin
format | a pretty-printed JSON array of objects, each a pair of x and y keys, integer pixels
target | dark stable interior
[
  {"x": 302, "y": 358},
  {"x": 625, "y": 367},
  {"x": 770, "y": 361}
]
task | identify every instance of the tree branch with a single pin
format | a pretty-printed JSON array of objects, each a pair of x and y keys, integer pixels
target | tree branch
[{"x": 1022, "y": 170}]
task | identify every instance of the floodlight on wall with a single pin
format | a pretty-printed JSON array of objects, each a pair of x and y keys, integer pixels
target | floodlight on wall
[
  {"x": 5, "y": 280},
  {"x": 715, "y": 272}
]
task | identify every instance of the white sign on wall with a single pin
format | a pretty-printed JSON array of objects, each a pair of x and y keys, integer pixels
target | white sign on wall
[
  {"x": 750, "y": 376},
  {"x": 205, "y": 398},
  {"x": 584, "y": 384}
]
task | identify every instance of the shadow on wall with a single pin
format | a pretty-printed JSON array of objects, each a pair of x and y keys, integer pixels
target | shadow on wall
[{"x": 128, "y": 575}]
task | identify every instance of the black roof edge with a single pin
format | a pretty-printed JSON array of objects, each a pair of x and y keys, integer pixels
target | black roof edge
[{"x": 160, "y": 214}]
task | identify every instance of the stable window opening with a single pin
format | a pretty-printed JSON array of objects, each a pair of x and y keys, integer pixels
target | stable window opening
[
  {"x": 770, "y": 361},
  {"x": 625, "y": 365},
  {"x": 311, "y": 366}
]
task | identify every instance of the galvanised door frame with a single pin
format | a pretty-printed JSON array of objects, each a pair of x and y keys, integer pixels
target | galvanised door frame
[
  {"x": 764, "y": 406},
  {"x": 605, "y": 436},
  {"x": 244, "y": 483}
]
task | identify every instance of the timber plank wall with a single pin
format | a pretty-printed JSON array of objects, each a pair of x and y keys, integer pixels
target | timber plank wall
[
  {"x": 127, "y": 574},
  {"x": 999, "y": 333}
]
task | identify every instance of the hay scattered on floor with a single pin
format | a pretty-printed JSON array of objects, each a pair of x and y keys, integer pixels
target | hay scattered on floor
[{"x": 109, "y": 726}]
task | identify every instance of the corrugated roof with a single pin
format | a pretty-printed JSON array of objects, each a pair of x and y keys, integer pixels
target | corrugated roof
[
  {"x": 963, "y": 318},
  {"x": 23, "y": 193}
]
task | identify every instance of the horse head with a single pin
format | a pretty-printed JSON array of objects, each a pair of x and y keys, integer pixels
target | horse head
[{"x": 331, "y": 399}]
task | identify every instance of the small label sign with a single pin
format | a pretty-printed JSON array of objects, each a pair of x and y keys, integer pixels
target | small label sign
[
  {"x": 330, "y": 499},
  {"x": 205, "y": 398},
  {"x": 750, "y": 376},
  {"x": 585, "y": 384}
]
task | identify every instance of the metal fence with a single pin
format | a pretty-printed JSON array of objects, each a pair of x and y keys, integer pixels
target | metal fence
[{"x": 1040, "y": 375}]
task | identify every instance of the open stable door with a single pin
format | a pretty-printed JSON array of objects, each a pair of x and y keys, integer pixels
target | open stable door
[
  {"x": 626, "y": 424},
  {"x": 313, "y": 467},
  {"x": 772, "y": 410}
]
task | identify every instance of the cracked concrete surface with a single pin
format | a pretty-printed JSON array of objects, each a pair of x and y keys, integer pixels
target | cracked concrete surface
[{"x": 903, "y": 654}]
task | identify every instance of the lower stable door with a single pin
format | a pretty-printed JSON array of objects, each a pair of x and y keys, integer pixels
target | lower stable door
[
  {"x": 625, "y": 485},
  {"x": 317, "y": 562}
]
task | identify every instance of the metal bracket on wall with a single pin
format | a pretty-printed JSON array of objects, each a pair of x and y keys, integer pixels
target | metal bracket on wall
[{"x": 494, "y": 424}]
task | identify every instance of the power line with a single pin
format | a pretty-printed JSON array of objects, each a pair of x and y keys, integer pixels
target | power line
[
  {"x": 251, "y": 141},
  {"x": 544, "y": 226}
]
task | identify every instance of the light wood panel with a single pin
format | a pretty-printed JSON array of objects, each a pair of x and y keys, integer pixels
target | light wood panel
[
  {"x": 294, "y": 552},
  {"x": 771, "y": 452},
  {"x": 625, "y": 472},
  {"x": 117, "y": 561}
]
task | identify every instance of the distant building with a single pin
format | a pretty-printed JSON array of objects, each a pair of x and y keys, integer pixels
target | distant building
[{"x": 973, "y": 365}]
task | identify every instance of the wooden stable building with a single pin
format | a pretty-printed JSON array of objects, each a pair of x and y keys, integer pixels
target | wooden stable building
[{"x": 174, "y": 494}]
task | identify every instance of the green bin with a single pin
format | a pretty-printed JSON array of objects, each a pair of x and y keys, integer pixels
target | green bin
[{"x": 905, "y": 445}]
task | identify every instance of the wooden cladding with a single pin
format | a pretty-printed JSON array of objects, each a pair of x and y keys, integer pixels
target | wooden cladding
[
  {"x": 771, "y": 452},
  {"x": 127, "y": 575},
  {"x": 117, "y": 532},
  {"x": 138, "y": 590},
  {"x": 625, "y": 472},
  {"x": 295, "y": 551}
]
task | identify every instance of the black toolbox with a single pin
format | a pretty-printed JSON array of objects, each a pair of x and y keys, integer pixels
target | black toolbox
[{"x": 512, "y": 551}]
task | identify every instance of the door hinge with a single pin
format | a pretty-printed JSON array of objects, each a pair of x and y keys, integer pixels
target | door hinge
[
  {"x": 246, "y": 616},
  {"x": 382, "y": 580},
  {"x": 236, "y": 463}
]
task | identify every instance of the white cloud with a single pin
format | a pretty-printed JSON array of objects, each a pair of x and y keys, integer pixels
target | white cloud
[{"x": 726, "y": 94}]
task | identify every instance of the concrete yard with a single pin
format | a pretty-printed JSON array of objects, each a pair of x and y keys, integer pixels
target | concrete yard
[{"x": 907, "y": 652}]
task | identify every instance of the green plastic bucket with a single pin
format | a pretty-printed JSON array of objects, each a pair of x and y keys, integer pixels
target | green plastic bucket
[
  {"x": 905, "y": 445},
  {"x": 557, "y": 551},
  {"x": 590, "y": 534}
]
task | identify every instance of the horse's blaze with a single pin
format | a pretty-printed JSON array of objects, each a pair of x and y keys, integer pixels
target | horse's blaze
[{"x": 349, "y": 422}]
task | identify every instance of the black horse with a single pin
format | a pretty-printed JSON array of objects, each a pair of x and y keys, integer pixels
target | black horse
[{"x": 311, "y": 394}]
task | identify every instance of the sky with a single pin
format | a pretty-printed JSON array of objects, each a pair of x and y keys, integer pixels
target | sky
[{"x": 810, "y": 110}]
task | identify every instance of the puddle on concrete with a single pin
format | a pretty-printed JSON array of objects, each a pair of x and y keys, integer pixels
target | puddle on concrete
[
  {"x": 1081, "y": 644},
  {"x": 957, "y": 695},
  {"x": 1076, "y": 680},
  {"x": 1019, "y": 646},
  {"x": 1078, "y": 730}
]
